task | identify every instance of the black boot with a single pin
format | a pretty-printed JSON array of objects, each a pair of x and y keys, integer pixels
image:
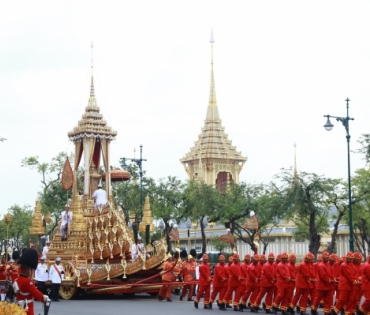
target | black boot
[
  {"x": 180, "y": 298},
  {"x": 228, "y": 305},
  {"x": 313, "y": 312},
  {"x": 195, "y": 304},
  {"x": 160, "y": 298},
  {"x": 210, "y": 305},
  {"x": 254, "y": 309},
  {"x": 332, "y": 312},
  {"x": 190, "y": 300},
  {"x": 206, "y": 307},
  {"x": 241, "y": 306},
  {"x": 264, "y": 306},
  {"x": 237, "y": 309},
  {"x": 297, "y": 309},
  {"x": 275, "y": 309},
  {"x": 269, "y": 312},
  {"x": 169, "y": 300},
  {"x": 284, "y": 313},
  {"x": 222, "y": 307},
  {"x": 303, "y": 313},
  {"x": 290, "y": 310}
]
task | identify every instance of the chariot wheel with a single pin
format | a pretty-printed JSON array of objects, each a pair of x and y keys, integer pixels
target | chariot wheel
[
  {"x": 68, "y": 290},
  {"x": 68, "y": 287}
]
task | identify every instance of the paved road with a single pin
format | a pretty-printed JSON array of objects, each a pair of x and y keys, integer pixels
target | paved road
[{"x": 141, "y": 304}]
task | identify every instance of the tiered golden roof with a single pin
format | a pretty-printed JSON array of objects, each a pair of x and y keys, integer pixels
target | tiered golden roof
[
  {"x": 213, "y": 145},
  {"x": 37, "y": 224},
  {"x": 92, "y": 123}
]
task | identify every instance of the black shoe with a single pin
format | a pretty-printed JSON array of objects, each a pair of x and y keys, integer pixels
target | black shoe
[
  {"x": 159, "y": 298},
  {"x": 180, "y": 298},
  {"x": 290, "y": 310},
  {"x": 313, "y": 312},
  {"x": 221, "y": 307},
  {"x": 342, "y": 311},
  {"x": 303, "y": 313},
  {"x": 254, "y": 310},
  {"x": 297, "y": 309},
  {"x": 169, "y": 300},
  {"x": 55, "y": 300},
  {"x": 210, "y": 305},
  {"x": 275, "y": 309},
  {"x": 241, "y": 306},
  {"x": 284, "y": 313},
  {"x": 228, "y": 306},
  {"x": 190, "y": 300},
  {"x": 269, "y": 312},
  {"x": 195, "y": 304},
  {"x": 332, "y": 312},
  {"x": 358, "y": 312},
  {"x": 206, "y": 307},
  {"x": 237, "y": 309}
]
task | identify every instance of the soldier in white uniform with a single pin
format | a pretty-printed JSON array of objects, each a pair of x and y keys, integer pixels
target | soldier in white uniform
[
  {"x": 66, "y": 223},
  {"x": 137, "y": 249},
  {"x": 45, "y": 249},
  {"x": 100, "y": 197},
  {"x": 41, "y": 275},
  {"x": 56, "y": 276}
]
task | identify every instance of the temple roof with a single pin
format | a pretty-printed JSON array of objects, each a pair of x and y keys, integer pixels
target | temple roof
[
  {"x": 213, "y": 142},
  {"x": 92, "y": 123}
]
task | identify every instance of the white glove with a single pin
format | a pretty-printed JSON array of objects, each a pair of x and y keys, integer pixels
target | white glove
[{"x": 45, "y": 298}]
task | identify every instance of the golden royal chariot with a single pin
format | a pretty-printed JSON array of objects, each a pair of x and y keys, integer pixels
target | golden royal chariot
[{"x": 97, "y": 253}]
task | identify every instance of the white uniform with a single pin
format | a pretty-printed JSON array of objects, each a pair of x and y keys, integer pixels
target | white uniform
[
  {"x": 53, "y": 274},
  {"x": 100, "y": 196},
  {"x": 136, "y": 250},
  {"x": 41, "y": 272},
  {"x": 66, "y": 218},
  {"x": 45, "y": 251}
]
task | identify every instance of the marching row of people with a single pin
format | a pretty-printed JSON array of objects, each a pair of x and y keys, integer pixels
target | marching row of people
[{"x": 284, "y": 285}]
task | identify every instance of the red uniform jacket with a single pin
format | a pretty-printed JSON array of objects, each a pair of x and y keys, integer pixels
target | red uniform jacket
[
  {"x": 324, "y": 276},
  {"x": 13, "y": 271},
  {"x": 252, "y": 276},
  {"x": 219, "y": 277},
  {"x": 293, "y": 274},
  {"x": 244, "y": 271},
  {"x": 365, "y": 276},
  {"x": 204, "y": 274},
  {"x": 346, "y": 276},
  {"x": 27, "y": 290},
  {"x": 188, "y": 270},
  {"x": 169, "y": 275},
  {"x": 283, "y": 275},
  {"x": 304, "y": 271},
  {"x": 2, "y": 272},
  {"x": 227, "y": 274},
  {"x": 358, "y": 272},
  {"x": 235, "y": 275},
  {"x": 268, "y": 275}
]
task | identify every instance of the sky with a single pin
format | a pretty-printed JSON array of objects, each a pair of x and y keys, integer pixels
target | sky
[{"x": 279, "y": 67}]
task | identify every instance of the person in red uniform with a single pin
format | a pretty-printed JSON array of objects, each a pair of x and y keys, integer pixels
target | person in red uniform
[
  {"x": 12, "y": 272},
  {"x": 266, "y": 285},
  {"x": 244, "y": 271},
  {"x": 2, "y": 279},
  {"x": 234, "y": 283},
  {"x": 347, "y": 280},
  {"x": 365, "y": 286},
  {"x": 293, "y": 275},
  {"x": 323, "y": 285},
  {"x": 219, "y": 279},
  {"x": 24, "y": 288},
  {"x": 334, "y": 266},
  {"x": 252, "y": 281},
  {"x": 256, "y": 290},
  {"x": 167, "y": 277},
  {"x": 188, "y": 272},
  {"x": 204, "y": 283},
  {"x": 357, "y": 292},
  {"x": 227, "y": 272},
  {"x": 283, "y": 281},
  {"x": 304, "y": 283}
]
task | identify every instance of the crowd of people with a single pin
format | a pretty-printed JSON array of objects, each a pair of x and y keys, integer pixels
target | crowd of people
[{"x": 337, "y": 284}]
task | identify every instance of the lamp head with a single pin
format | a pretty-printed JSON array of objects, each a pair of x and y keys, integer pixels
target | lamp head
[
  {"x": 328, "y": 126},
  {"x": 123, "y": 163}
]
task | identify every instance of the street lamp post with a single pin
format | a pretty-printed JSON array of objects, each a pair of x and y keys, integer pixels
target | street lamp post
[
  {"x": 139, "y": 163},
  {"x": 329, "y": 126},
  {"x": 195, "y": 226}
]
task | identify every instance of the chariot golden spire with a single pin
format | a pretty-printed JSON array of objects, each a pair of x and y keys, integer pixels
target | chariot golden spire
[{"x": 213, "y": 153}]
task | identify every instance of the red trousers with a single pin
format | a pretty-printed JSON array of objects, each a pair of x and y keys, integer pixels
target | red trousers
[
  {"x": 269, "y": 291},
  {"x": 326, "y": 296},
  {"x": 248, "y": 291},
  {"x": 185, "y": 289},
  {"x": 254, "y": 296},
  {"x": 206, "y": 289},
  {"x": 344, "y": 299},
  {"x": 229, "y": 294},
  {"x": 300, "y": 295},
  {"x": 165, "y": 291},
  {"x": 365, "y": 307},
  {"x": 282, "y": 298},
  {"x": 221, "y": 294}
]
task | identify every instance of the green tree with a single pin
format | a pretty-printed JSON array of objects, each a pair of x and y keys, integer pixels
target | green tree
[
  {"x": 305, "y": 197},
  {"x": 19, "y": 226}
]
